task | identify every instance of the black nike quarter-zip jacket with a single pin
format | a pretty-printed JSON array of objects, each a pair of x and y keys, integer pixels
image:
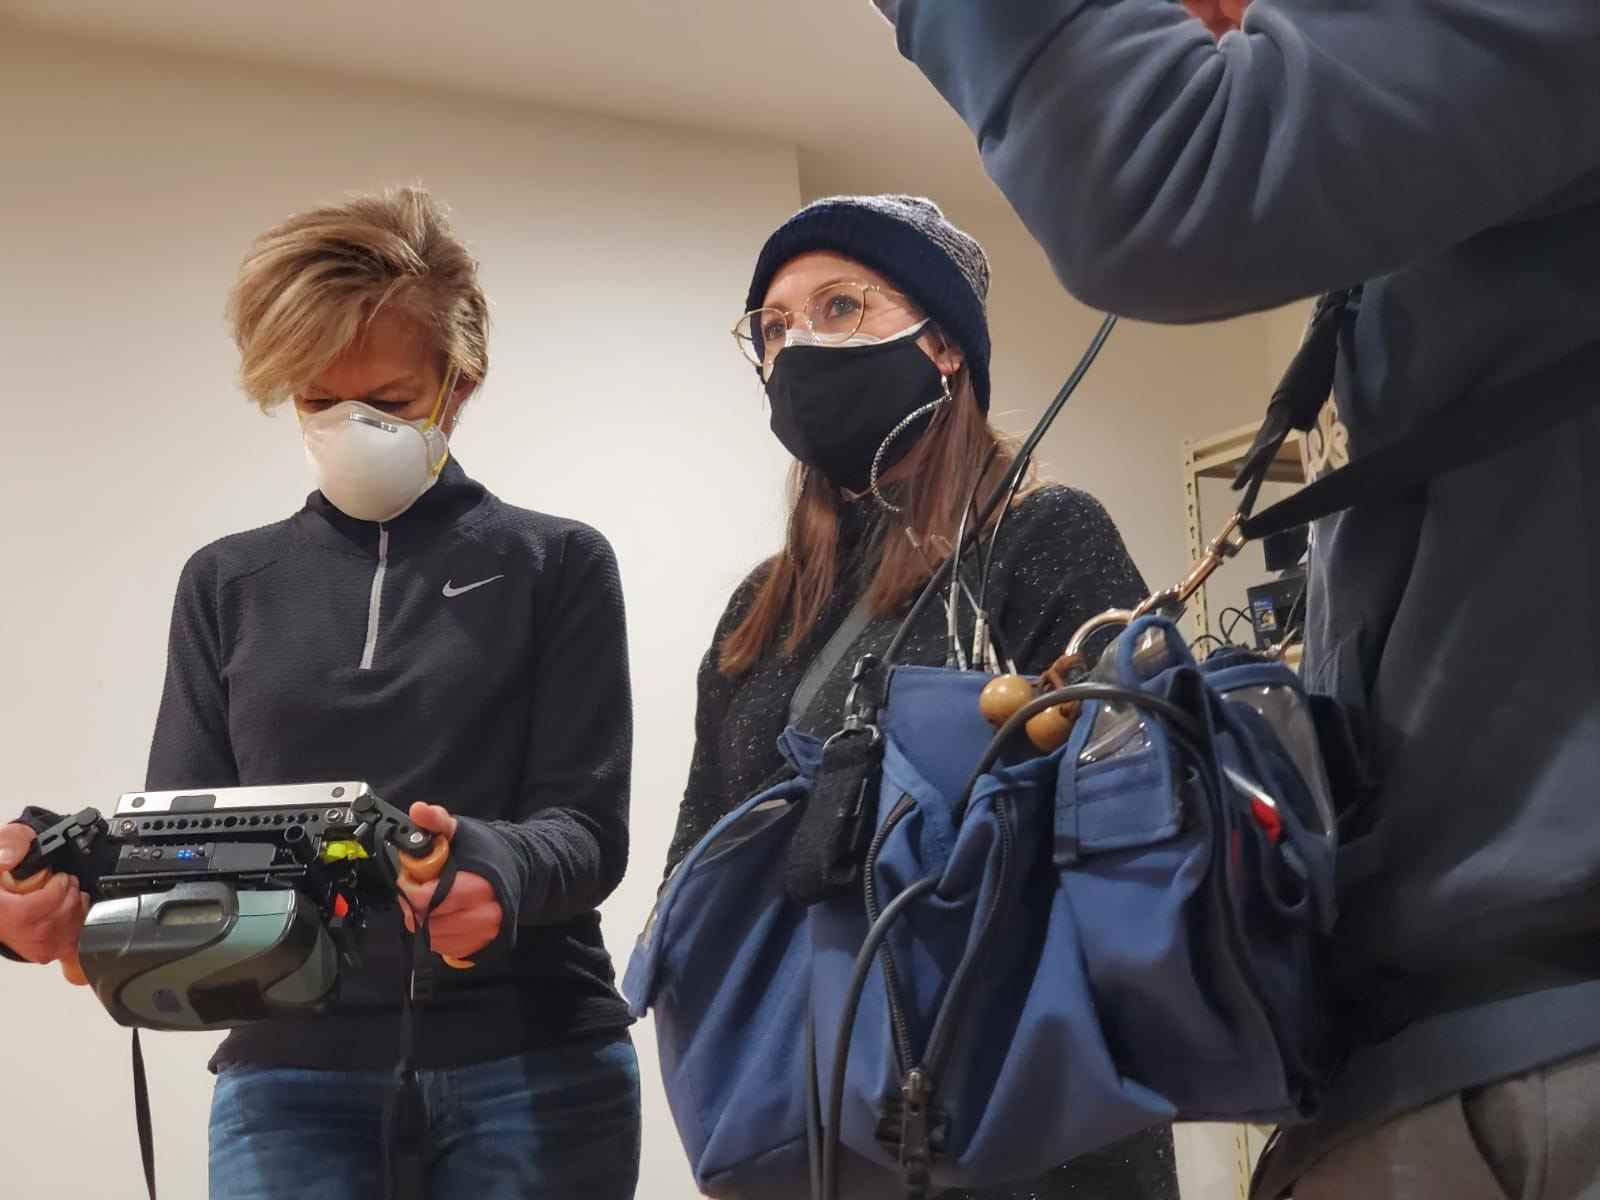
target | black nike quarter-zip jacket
[{"x": 469, "y": 654}]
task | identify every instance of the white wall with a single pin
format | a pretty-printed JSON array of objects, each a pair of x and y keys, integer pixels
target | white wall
[{"x": 615, "y": 257}]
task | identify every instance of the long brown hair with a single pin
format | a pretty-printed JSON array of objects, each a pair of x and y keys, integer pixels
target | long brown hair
[{"x": 933, "y": 485}]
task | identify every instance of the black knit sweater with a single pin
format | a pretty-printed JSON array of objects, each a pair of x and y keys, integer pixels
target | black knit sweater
[{"x": 1058, "y": 560}]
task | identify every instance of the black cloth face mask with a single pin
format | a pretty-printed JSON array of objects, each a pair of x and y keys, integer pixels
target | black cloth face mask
[{"x": 833, "y": 406}]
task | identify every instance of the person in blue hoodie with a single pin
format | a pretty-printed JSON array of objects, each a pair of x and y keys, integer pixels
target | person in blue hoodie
[{"x": 1444, "y": 155}]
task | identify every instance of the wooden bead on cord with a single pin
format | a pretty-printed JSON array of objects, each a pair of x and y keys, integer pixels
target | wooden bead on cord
[
  {"x": 1050, "y": 729},
  {"x": 1003, "y": 697}
]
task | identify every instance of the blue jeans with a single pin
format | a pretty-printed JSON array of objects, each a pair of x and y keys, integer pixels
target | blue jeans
[{"x": 552, "y": 1123}]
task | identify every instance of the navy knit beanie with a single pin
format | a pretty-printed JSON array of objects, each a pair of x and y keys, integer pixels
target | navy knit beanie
[{"x": 907, "y": 239}]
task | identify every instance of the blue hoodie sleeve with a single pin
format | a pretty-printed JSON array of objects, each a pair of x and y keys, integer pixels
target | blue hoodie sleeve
[{"x": 1171, "y": 177}]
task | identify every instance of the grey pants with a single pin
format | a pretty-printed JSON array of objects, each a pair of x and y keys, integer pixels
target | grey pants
[{"x": 1534, "y": 1137}]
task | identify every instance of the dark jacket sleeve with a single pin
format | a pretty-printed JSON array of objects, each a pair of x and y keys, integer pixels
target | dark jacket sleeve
[
  {"x": 1174, "y": 178},
  {"x": 705, "y": 799},
  {"x": 191, "y": 746},
  {"x": 1060, "y": 560},
  {"x": 567, "y": 848}
]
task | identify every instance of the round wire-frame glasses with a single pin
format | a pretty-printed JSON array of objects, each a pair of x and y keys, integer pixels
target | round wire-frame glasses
[{"x": 832, "y": 315}]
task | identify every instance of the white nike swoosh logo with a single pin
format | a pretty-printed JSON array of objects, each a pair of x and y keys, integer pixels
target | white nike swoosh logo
[{"x": 450, "y": 591}]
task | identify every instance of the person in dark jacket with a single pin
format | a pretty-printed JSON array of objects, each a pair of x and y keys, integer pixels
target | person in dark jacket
[
  {"x": 1447, "y": 153},
  {"x": 467, "y": 659},
  {"x": 867, "y": 325}
]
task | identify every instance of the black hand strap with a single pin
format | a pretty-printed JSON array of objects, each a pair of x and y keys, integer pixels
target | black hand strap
[
  {"x": 1299, "y": 396},
  {"x": 1483, "y": 423},
  {"x": 141, "y": 1116},
  {"x": 405, "y": 1116}
]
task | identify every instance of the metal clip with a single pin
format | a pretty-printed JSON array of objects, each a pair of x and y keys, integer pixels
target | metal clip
[
  {"x": 1173, "y": 600},
  {"x": 1110, "y": 619},
  {"x": 857, "y": 715},
  {"x": 1223, "y": 547}
]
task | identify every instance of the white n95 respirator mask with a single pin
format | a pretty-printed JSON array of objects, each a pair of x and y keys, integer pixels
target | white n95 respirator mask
[{"x": 370, "y": 465}]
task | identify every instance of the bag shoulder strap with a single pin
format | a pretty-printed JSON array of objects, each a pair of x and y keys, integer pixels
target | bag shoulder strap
[
  {"x": 1483, "y": 423},
  {"x": 851, "y": 628}
]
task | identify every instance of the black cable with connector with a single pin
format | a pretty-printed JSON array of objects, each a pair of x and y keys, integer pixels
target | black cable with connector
[{"x": 1004, "y": 487}]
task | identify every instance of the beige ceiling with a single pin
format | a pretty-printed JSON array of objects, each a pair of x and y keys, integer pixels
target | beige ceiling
[{"x": 824, "y": 76}]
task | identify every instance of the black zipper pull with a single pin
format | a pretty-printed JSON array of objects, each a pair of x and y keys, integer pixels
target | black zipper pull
[{"x": 916, "y": 1093}]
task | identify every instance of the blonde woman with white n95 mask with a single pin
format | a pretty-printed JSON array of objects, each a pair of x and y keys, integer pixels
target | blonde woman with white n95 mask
[{"x": 466, "y": 658}]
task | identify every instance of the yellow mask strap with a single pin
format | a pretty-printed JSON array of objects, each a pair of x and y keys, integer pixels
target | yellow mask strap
[{"x": 445, "y": 390}]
